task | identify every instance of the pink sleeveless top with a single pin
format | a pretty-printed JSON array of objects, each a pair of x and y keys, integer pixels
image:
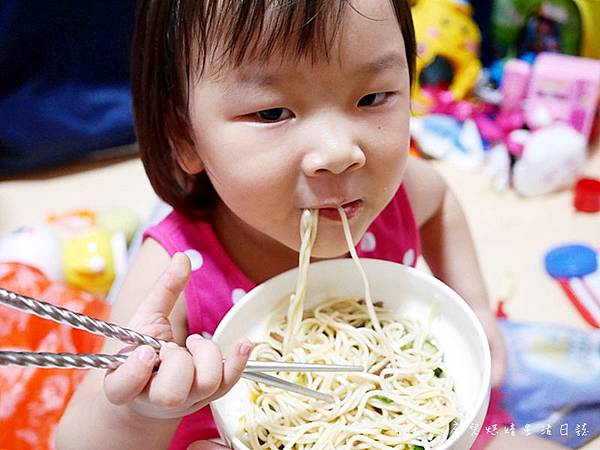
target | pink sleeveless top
[{"x": 217, "y": 283}]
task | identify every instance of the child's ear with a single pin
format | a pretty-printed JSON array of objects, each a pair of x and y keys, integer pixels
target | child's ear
[
  {"x": 190, "y": 162},
  {"x": 187, "y": 158}
]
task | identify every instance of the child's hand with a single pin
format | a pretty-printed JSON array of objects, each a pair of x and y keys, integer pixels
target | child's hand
[
  {"x": 496, "y": 341},
  {"x": 188, "y": 378}
]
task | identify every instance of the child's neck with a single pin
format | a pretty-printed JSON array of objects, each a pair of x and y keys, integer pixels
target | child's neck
[{"x": 258, "y": 256}]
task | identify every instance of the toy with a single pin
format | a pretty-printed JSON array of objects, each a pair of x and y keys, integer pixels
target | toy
[
  {"x": 565, "y": 26},
  {"x": 435, "y": 134},
  {"x": 540, "y": 34},
  {"x": 556, "y": 88},
  {"x": 551, "y": 159},
  {"x": 444, "y": 137},
  {"x": 587, "y": 195},
  {"x": 497, "y": 165},
  {"x": 515, "y": 141},
  {"x": 73, "y": 221},
  {"x": 84, "y": 248},
  {"x": 447, "y": 47},
  {"x": 95, "y": 246},
  {"x": 515, "y": 81},
  {"x": 35, "y": 246},
  {"x": 563, "y": 88},
  {"x": 119, "y": 220},
  {"x": 461, "y": 110},
  {"x": 575, "y": 267},
  {"x": 88, "y": 262},
  {"x": 590, "y": 17}
]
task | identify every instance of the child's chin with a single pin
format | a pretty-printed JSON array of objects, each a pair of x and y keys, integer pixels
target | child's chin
[{"x": 329, "y": 250}]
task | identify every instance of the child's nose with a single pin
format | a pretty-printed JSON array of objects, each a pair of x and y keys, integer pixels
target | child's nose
[{"x": 333, "y": 152}]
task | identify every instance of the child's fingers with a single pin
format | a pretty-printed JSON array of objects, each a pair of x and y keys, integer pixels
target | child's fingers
[
  {"x": 234, "y": 366},
  {"x": 167, "y": 289},
  {"x": 129, "y": 379},
  {"x": 208, "y": 362},
  {"x": 171, "y": 385}
]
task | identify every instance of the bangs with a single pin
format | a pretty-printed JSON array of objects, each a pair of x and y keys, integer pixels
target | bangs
[{"x": 256, "y": 30}]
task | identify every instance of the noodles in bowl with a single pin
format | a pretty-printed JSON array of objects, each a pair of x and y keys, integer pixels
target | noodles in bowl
[
  {"x": 427, "y": 361},
  {"x": 403, "y": 397}
]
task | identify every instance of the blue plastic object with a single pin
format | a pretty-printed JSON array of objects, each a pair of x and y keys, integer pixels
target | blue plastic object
[{"x": 569, "y": 261}]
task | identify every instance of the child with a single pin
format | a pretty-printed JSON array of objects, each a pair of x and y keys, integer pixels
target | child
[{"x": 247, "y": 112}]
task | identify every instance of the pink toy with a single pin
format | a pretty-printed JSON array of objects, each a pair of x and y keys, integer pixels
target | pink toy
[
  {"x": 516, "y": 140},
  {"x": 491, "y": 130},
  {"x": 515, "y": 82},
  {"x": 563, "y": 88}
]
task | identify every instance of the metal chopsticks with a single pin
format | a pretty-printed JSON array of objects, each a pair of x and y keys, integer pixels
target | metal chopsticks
[{"x": 45, "y": 310}]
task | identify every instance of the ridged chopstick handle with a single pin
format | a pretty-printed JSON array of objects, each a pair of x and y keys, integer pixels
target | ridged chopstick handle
[
  {"x": 61, "y": 360},
  {"x": 76, "y": 320}
]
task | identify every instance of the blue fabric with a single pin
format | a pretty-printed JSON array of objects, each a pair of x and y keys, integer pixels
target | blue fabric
[
  {"x": 553, "y": 381},
  {"x": 64, "y": 88}
]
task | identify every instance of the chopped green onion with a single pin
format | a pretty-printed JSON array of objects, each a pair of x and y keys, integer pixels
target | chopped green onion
[
  {"x": 429, "y": 347},
  {"x": 384, "y": 399},
  {"x": 453, "y": 425}
]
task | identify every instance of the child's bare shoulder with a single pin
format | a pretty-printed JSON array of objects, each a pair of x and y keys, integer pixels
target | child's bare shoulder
[{"x": 425, "y": 188}]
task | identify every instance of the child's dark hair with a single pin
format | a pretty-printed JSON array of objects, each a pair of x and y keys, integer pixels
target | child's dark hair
[{"x": 174, "y": 38}]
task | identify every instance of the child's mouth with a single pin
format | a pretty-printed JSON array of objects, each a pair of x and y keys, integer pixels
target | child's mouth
[{"x": 351, "y": 209}]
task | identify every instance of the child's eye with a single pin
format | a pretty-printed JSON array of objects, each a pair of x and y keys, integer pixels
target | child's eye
[
  {"x": 374, "y": 99},
  {"x": 274, "y": 114}
]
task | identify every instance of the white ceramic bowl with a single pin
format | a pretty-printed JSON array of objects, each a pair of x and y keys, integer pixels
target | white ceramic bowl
[{"x": 409, "y": 291}]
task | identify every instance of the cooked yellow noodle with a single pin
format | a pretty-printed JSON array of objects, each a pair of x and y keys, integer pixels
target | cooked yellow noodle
[
  {"x": 403, "y": 399},
  {"x": 308, "y": 234}
]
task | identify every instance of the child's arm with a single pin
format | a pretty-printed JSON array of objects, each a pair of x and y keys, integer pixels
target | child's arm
[
  {"x": 103, "y": 412},
  {"x": 449, "y": 251}
]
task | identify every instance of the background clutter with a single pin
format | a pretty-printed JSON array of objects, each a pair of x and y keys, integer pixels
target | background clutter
[{"x": 528, "y": 116}]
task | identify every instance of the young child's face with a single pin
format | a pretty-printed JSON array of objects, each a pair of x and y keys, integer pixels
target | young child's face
[{"x": 276, "y": 138}]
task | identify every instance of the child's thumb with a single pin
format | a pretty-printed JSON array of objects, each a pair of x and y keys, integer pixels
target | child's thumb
[{"x": 129, "y": 379}]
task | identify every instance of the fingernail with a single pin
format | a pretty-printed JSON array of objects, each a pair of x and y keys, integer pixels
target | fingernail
[
  {"x": 171, "y": 345},
  {"x": 145, "y": 354},
  {"x": 245, "y": 348},
  {"x": 196, "y": 337}
]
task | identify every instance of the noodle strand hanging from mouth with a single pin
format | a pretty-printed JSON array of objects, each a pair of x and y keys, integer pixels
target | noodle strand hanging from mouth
[
  {"x": 308, "y": 234},
  {"x": 368, "y": 300}
]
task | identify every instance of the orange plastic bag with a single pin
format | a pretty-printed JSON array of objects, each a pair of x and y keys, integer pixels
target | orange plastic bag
[{"x": 32, "y": 400}]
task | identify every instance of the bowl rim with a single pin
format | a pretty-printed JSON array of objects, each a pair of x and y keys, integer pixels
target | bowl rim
[{"x": 483, "y": 392}]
